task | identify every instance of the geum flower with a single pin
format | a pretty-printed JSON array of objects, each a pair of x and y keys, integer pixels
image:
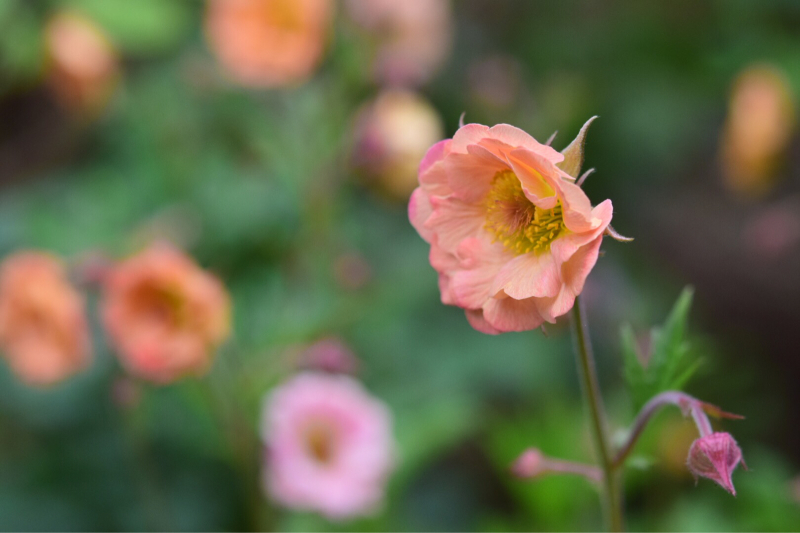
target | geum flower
[
  {"x": 512, "y": 235},
  {"x": 329, "y": 445},
  {"x": 164, "y": 314},
  {"x": 43, "y": 330}
]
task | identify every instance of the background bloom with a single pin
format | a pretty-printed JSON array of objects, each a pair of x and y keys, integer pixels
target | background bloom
[
  {"x": 83, "y": 67},
  {"x": 164, "y": 314},
  {"x": 393, "y": 132},
  {"x": 329, "y": 445},
  {"x": 268, "y": 43},
  {"x": 43, "y": 331},
  {"x": 413, "y": 37},
  {"x": 512, "y": 237}
]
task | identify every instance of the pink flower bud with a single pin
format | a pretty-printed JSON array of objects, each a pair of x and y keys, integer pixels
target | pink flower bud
[
  {"x": 530, "y": 464},
  {"x": 715, "y": 457}
]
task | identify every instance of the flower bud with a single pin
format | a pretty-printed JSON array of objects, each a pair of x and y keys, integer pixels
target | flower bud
[
  {"x": 715, "y": 457},
  {"x": 530, "y": 464}
]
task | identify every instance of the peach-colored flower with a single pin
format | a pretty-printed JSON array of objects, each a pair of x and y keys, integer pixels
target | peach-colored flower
[
  {"x": 512, "y": 237},
  {"x": 43, "y": 330},
  {"x": 393, "y": 132},
  {"x": 164, "y": 314},
  {"x": 413, "y": 37},
  {"x": 269, "y": 43},
  {"x": 329, "y": 445},
  {"x": 83, "y": 64},
  {"x": 761, "y": 119}
]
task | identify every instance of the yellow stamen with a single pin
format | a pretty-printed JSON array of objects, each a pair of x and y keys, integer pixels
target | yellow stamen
[{"x": 515, "y": 221}]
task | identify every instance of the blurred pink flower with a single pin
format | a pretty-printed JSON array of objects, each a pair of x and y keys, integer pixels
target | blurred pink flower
[
  {"x": 83, "y": 66},
  {"x": 329, "y": 355},
  {"x": 269, "y": 43},
  {"x": 43, "y": 330},
  {"x": 512, "y": 237},
  {"x": 329, "y": 445},
  {"x": 165, "y": 315},
  {"x": 413, "y": 37},
  {"x": 392, "y": 134},
  {"x": 715, "y": 456}
]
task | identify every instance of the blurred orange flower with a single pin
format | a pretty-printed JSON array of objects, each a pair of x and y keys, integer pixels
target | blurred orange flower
[
  {"x": 43, "y": 331},
  {"x": 164, "y": 314},
  {"x": 761, "y": 118},
  {"x": 393, "y": 134},
  {"x": 83, "y": 64},
  {"x": 413, "y": 37},
  {"x": 269, "y": 43}
]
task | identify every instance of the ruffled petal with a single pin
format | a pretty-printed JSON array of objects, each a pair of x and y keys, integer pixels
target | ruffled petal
[
  {"x": 529, "y": 275},
  {"x": 466, "y": 135},
  {"x": 470, "y": 175},
  {"x": 454, "y": 220},
  {"x": 481, "y": 260},
  {"x": 476, "y": 320},
  {"x": 531, "y": 170},
  {"x": 432, "y": 172},
  {"x": 419, "y": 210},
  {"x": 578, "y": 215},
  {"x": 508, "y": 314},
  {"x": 574, "y": 273},
  {"x": 566, "y": 245}
]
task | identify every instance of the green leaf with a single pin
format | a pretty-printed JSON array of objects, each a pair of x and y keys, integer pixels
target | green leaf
[
  {"x": 141, "y": 27},
  {"x": 671, "y": 362}
]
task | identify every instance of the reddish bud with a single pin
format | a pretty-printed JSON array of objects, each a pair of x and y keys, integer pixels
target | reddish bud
[
  {"x": 715, "y": 457},
  {"x": 530, "y": 464}
]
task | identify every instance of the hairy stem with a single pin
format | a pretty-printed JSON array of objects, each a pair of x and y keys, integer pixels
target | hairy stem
[
  {"x": 688, "y": 405},
  {"x": 612, "y": 497}
]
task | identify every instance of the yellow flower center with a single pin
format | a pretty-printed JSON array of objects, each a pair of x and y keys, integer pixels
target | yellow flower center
[
  {"x": 320, "y": 442},
  {"x": 515, "y": 221}
]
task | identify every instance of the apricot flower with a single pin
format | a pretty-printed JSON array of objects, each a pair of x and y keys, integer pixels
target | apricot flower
[
  {"x": 43, "y": 330},
  {"x": 269, "y": 43},
  {"x": 512, "y": 237},
  {"x": 164, "y": 314},
  {"x": 83, "y": 66}
]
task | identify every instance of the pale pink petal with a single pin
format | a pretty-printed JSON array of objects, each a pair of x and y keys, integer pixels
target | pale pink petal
[
  {"x": 470, "y": 175},
  {"x": 481, "y": 260},
  {"x": 578, "y": 216},
  {"x": 574, "y": 273},
  {"x": 432, "y": 173},
  {"x": 476, "y": 320},
  {"x": 508, "y": 314},
  {"x": 567, "y": 244},
  {"x": 529, "y": 275},
  {"x": 445, "y": 264},
  {"x": 466, "y": 135},
  {"x": 419, "y": 211},
  {"x": 454, "y": 220},
  {"x": 434, "y": 154},
  {"x": 515, "y": 137},
  {"x": 531, "y": 169}
]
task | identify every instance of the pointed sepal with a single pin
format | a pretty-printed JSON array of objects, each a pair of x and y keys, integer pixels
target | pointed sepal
[{"x": 573, "y": 154}]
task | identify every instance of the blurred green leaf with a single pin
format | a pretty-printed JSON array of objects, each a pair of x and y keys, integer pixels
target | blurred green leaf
[
  {"x": 143, "y": 27},
  {"x": 670, "y": 362}
]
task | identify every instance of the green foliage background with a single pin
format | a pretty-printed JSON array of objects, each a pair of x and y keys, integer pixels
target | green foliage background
[{"x": 257, "y": 185}]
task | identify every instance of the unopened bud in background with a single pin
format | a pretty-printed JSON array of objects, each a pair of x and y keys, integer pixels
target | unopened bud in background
[{"x": 392, "y": 135}]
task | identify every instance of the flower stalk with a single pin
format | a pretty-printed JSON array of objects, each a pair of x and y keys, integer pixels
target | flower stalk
[{"x": 612, "y": 497}]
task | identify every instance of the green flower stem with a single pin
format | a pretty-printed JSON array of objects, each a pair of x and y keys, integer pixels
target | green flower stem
[{"x": 612, "y": 497}]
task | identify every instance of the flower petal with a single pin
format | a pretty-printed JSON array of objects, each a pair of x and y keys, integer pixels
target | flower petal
[
  {"x": 529, "y": 275},
  {"x": 566, "y": 245},
  {"x": 481, "y": 260},
  {"x": 419, "y": 210},
  {"x": 508, "y": 314},
  {"x": 531, "y": 169},
  {"x": 454, "y": 220},
  {"x": 470, "y": 175},
  {"x": 476, "y": 320}
]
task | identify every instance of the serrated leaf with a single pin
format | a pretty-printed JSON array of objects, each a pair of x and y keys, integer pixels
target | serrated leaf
[{"x": 671, "y": 363}]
